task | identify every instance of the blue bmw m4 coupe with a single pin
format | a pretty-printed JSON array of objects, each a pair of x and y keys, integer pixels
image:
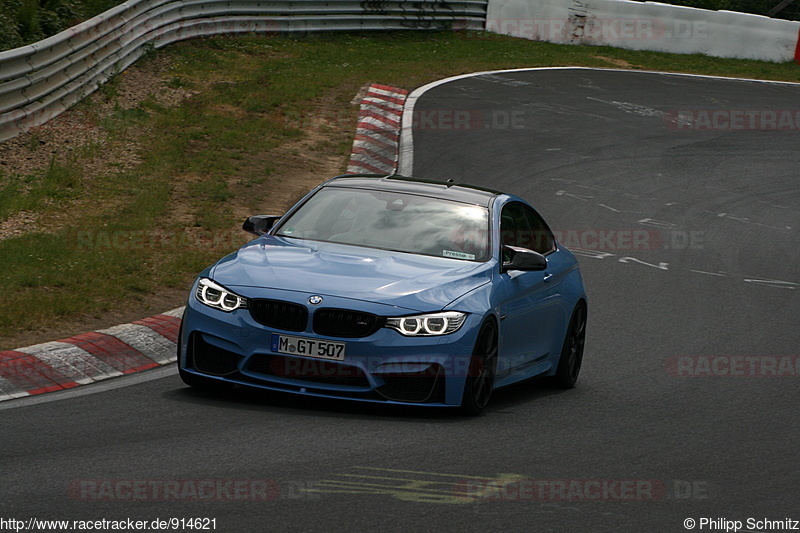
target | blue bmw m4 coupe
[{"x": 391, "y": 290}]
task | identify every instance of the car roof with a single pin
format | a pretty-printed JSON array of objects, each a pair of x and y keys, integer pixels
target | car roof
[{"x": 457, "y": 192}]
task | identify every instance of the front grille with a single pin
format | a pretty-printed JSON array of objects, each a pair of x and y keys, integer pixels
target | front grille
[
  {"x": 424, "y": 386},
  {"x": 279, "y": 315},
  {"x": 311, "y": 370},
  {"x": 211, "y": 359},
  {"x": 345, "y": 323}
]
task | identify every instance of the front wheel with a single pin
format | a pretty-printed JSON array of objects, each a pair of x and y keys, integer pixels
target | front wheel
[
  {"x": 482, "y": 371},
  {"x": 569, "y": 365}
]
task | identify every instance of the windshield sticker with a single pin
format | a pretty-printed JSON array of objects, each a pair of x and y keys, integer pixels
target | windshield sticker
[{"x": 458, "y": 255}]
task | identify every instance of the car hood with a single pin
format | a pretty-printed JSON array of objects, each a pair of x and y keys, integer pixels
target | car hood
[{"x": 414, "y": 282}]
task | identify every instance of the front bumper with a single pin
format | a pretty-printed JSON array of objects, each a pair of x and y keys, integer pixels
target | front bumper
[{"x": 384, "y": 367}]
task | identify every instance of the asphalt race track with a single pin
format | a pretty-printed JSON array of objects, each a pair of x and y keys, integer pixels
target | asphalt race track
[{"x": 683, "y": 195}]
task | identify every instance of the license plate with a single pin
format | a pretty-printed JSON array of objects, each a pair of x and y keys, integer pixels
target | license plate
[{"x": 308, "y": 347}]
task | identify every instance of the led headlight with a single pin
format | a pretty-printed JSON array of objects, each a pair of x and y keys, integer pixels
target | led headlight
[
  {"x": 427, "y": 325},
  {"x": 218, "y": 297}
]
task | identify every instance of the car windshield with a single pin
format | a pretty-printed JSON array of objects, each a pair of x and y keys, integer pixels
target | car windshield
[{"x": 392, "y": 221}]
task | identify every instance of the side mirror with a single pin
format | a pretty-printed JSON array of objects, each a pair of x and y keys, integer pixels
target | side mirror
[
  {"x": 258, "y": 225},
  {"x": 523, "y": 259}
]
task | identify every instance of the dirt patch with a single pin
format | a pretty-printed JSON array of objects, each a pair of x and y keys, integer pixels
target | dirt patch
[
  {"x": 76, "y": 137},
  {"x": 618, "y": 62},
  {"x": 304, "y": 164},
  {"x": 58, "y": 139},
  {"x": 229, "y": 111},
  {"x": 79, "y": 128},
  {"x": 18, "y": 224}
]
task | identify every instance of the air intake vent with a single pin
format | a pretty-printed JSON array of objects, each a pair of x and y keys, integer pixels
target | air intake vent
[{"x": 279, "y": 315}]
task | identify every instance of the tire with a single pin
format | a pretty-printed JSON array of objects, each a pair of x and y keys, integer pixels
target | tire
[
  {"x": 482, "y": 371},
  {"x": 569, "y": 364}
]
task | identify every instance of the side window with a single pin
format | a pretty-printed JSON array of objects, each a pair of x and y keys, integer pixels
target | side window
[
  {"x": 515, "y": 229},
  {"x": 542, "y": 238},
  {"x": 522, "y": 226}
]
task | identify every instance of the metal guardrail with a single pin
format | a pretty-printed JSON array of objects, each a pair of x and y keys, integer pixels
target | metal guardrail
[{"x": 42, "y": 80}]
